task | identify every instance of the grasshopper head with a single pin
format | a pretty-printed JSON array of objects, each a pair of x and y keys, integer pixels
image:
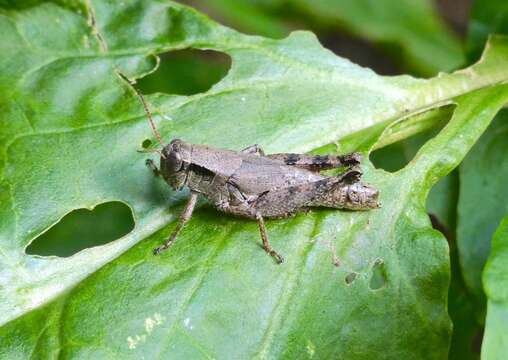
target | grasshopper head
[
  {"x": 174, "y": 163},
  {"x": 359, "y": 196}
]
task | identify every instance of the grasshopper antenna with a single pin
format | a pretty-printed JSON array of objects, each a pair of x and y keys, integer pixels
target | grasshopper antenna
[
  {"x": 149, "y": 115},
  {"x": 147, "y": 110}
]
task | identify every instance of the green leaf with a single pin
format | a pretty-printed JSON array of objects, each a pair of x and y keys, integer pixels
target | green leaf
[
  {"x": 495, "y": 282},
  {"x": 467, "y": 329},
  {"x": 413, "y": 26},
  {"x": 487, "y": 17},
  {"x": 442, "y": 205},
  {"x": 482, "y": 200},
  {"x": 70, "y": 128}
]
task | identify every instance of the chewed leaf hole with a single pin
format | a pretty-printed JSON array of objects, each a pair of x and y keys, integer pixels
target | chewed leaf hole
[
  {"x": 186, "y": 72},
  {"x": 397, "y": 155},
  {"x": 378, "y": 277},
  {"x": 350, "y": 278},
  {"x": 83, "y": 228}
]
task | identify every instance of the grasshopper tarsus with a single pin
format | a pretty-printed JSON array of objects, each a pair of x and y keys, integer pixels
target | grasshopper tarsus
[
  {"x": 278, "y": 258},
  {"x": 167, "y": 244},
  {"x": 164, "y": 246}
]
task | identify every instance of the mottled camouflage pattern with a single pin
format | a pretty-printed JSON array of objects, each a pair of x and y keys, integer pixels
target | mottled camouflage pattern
[{"x": 254, "y": 185}]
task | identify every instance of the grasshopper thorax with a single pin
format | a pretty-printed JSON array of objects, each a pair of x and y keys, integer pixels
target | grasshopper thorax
[{"x": 174, "y": 163}]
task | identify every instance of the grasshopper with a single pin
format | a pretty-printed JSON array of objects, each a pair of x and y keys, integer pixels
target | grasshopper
[{"x": 252, "y": 184}]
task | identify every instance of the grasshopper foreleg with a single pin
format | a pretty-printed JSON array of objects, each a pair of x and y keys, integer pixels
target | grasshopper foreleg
[
  {"x": 184, "y": 218},
  {"x": 151, "y": 165}
]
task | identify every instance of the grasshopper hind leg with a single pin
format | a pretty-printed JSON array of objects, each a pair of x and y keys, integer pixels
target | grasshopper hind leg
[
  {"x": 247, "y": 210},
  {"x": 266, "y": 243},
  {"x": 318, "y": 163}
]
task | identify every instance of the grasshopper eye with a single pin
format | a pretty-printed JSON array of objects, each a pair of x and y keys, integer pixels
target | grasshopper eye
[{"x": 174, "y": 161}]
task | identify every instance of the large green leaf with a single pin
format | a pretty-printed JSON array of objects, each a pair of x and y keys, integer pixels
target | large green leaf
[
  {"x": 482, "y": 201},
  {"x": 495, "y": 282},
  {"x": 442, "y": 205},
  {"x": 414, "y": 26},
  {"x": 481, "y": 204},
  {"x": 467, "y": 329},
  {"x": 70, "y": 127},
  {"x": 482, "y": 194}
]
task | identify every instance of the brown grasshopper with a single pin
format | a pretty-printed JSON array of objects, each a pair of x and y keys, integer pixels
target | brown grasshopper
[{"x": 251, "y": 184}]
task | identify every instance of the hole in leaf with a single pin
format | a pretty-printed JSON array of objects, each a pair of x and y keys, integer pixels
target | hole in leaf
[
  {"x": 397, "y": 155},
  {"x": 146, "y": 143},
  {"x": 441, "y": 205},
  {"x": 476, "y": 341},
  {"x": 394, "y": 157},
  {"x": 378, "y": 277},
  {"x": 83, "y": 228},
  {"x": 186, "y": 72},
  {"x": 350, "y": 277}
]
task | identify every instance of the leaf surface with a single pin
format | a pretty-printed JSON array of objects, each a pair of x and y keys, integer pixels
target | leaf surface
[
  {"x": 70, "y": 128},
  {"x": 495, "y": 282}
]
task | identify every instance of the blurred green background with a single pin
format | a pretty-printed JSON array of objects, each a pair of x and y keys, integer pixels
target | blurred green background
[{"x": 416, "y": 37}]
